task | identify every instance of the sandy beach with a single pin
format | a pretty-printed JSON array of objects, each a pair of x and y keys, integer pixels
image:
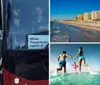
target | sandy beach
[
  {"x": 77, "y": 32},
  {"x": 91, "y": 26}
]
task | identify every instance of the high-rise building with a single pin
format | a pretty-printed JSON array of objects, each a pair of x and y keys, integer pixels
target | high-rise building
[
  {"x": 80, "y": 17},
  {"x": 95, "y": 15},
  {"x": 87, "y": 16}
]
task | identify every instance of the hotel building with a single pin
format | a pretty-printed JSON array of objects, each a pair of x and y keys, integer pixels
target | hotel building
[
  {"x": 95, "y": 15},
  {"x": 80, "y": 17},
  {"x": 87, "y": 16}
]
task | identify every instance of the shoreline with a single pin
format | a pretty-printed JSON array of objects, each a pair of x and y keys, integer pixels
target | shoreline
[
  {"x": 59, "y": 38},
  {"x": 82, "y": 25}
]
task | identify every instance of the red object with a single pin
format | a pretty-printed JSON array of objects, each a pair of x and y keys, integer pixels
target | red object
[
  {"x": 9, "y": 80},
  {"x": 75, "y": 66}
]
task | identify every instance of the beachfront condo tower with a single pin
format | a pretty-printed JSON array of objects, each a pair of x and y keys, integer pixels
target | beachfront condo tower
[
  {"x": 80, "y": 17},
  {"x": 87, "y": 16},
  {"x": 95, "y": 15}
]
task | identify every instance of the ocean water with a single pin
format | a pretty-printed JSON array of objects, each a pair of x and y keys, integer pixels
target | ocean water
[
  {"x": 61, "y": 27},
  {"x": 75, "y": 79},
  {"x": 76, "y": 34},
  {"x": 58, "y": 33}
]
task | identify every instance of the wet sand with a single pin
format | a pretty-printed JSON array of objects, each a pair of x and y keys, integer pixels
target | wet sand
[
  {"x": 91, "y": 26},
  {"x": 78, "y": 34},
  {"x": 59, "y": 38}
]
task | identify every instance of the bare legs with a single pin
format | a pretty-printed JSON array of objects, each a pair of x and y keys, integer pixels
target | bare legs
[
  {"x": 75, "y": 70},
  {"x": 64, "y": 69},
  {"x": 79, "y": 64},
  {"x": 59, "y": 69},
  {"x": 84, "y": 64}
]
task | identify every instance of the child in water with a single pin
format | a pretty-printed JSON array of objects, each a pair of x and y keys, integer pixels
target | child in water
[{"x": 75, "y": 66}]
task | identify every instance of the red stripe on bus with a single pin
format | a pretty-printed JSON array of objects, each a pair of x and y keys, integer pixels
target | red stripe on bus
[{"x": 9, "y": 80}]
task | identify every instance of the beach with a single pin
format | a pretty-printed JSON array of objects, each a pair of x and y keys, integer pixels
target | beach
[
  {"x": 86, "y": 25},
  {"x": 59, "y": 38},
  {"x": 77, "y": 32}
]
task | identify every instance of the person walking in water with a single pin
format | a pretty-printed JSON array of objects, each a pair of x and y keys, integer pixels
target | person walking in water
[
  {"x": 81, "y": 59},
  {"x": 62, "y": 61}
]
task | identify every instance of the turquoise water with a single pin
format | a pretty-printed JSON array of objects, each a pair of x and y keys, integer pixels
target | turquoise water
[{"x": 75, "y": 79}]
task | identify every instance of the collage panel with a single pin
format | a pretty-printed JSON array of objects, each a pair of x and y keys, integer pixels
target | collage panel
[
  {"x": 24, "y": 42},
  {"x": 75, "y": 21},
  {"x": 49, "y": 42},
  {"x": 74, "y": 42},
  {"x": 74, "y": 64}
]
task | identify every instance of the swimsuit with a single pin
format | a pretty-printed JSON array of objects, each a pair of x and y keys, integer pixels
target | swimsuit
[
  {"x": 75, "y": 66},
  {"x": 62, "y": 63},
  {"x": 81, "y": 57}
]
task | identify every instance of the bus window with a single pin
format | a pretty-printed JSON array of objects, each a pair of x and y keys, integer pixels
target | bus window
[
  {"x": 27, "y": 53},
  {"x": 27, "y": 17}
]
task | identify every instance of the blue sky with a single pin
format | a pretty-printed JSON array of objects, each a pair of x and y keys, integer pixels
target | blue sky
[
  {"x": 91, "y": 53},
  {"x": 68, "y": 9}
]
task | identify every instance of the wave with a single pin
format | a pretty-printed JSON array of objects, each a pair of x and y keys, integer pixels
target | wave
[{"x": 85, "y": 78}]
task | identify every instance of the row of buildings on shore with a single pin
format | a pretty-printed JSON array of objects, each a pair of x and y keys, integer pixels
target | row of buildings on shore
[{"x": 93, "y": 16}]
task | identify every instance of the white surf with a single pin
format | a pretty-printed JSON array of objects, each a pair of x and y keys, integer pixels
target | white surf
[{"x": 94, "y": 73}]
